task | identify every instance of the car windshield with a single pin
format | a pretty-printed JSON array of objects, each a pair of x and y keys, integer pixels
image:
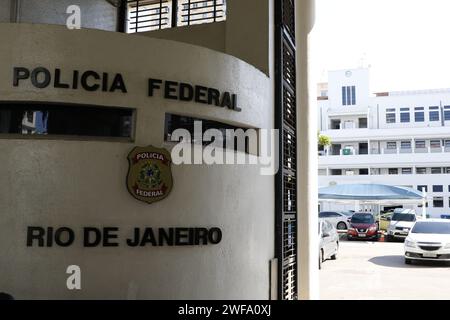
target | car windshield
[
  {"x": 362, "y": 218},
  {"x": 347, "y": 213},
  {"x": 432, "y": 227},
  {"x": 404, "y": 217}
]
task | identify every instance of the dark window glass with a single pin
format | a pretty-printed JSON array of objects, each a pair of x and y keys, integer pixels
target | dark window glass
[
  {"x": 174, "y": 122},
  {"x": 404, "y": 117},
  {"x": 65, "y": 120},
  {"x": 363, "y": 218},
  {"x": 328, "y": 214},
  {"x": 437, "y": 188},
  {"x": 435, "y": 143},
  {"x": 364, "y": 172},
  {"x": 344, "y": 96},
  {"x": 393, "y": 171},
  {"x": 406, "y": 170},
  {"x": 405, "y": 145},
  {"x": 436, "y": 170},
  {"x": 422, "y": 188},
  {"x": 419, "y": 116},
  {"x": 420, "y": 144},
  {"x": 336, "y": 172},
  {"x": 334, "y": 215},
  {"x": 349, "y": 101},
  {"x": 446, "y": 115},
  {"x": 434, "y": 115},
  {"x": 362, "y": 122},
  {"x": 431, "y": 227},
  {"x": 403, "y": 217},
  {"x": 421, "y": 170},
  {"x": 438, "y": 202},
  {"x": 353, "y": 95}
]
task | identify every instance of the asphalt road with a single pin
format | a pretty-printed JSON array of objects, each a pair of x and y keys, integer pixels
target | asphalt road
[{"x": 376, "y": 270}]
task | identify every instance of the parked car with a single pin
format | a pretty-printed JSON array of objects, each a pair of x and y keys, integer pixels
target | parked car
[
  {"x": 428, "y": 240},
  {"x": 385, "y": 220},
  {"x": 400, "y": 224},
  {"x": 363, "y": 226},
  {"x": 328, "y": 242},
  {"x": 339, "y": 219}
]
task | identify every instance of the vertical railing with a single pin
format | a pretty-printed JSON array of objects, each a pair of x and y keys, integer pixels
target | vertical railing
[
  {"x": 286, "y": 178},
  {"x": 189, "y": 13},
  {"x": 174, "y": 13}
]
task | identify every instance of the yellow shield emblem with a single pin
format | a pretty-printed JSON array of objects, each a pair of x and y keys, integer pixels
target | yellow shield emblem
[{"x": 149, "y": 176}]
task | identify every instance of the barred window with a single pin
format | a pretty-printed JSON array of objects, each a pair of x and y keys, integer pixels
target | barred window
[
  {"x": 228, "y": 141},
  {"x": 148, "y": 15}
]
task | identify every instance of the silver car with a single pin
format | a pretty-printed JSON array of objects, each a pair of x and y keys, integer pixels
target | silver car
[
  {"x": 339, "y": 219},
  {"x": 328, "y": 242}
]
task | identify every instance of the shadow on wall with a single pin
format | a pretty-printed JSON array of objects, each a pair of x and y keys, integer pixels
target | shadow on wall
[
  {"x": 399, "y": 262},
  {"x": 6, "y": 296}
]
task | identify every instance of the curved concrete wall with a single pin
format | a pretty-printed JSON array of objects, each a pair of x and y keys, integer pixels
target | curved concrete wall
[
  {"x": 96, "y": 14},
  {"x": 52, "y": 182}
]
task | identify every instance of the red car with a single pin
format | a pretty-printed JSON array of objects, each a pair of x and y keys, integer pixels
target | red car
[{"x": 363, "y": 226}]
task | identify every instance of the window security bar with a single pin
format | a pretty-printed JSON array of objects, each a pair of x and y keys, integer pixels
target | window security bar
[{"x": 148, "y": 15}]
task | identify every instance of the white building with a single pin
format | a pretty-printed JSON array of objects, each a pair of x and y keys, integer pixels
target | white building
[{"x": 397, "y": 138}]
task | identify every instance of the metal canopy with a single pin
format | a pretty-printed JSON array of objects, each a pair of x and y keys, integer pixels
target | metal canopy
[{"x": 370, "y": 192}]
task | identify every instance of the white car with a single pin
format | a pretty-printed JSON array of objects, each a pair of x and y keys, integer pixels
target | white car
[
  {"x": 428, "y": 240},
  {"x": 328, "y": 242},
  {"x": 339, "y": 219},
  {"x": 400, "y": 224}
]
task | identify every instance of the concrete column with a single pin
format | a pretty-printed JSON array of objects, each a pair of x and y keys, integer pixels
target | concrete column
[{"x": 307, "y": 160}]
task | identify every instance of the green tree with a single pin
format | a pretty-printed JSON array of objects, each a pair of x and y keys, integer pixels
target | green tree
[{"x": 323, "y": 140}]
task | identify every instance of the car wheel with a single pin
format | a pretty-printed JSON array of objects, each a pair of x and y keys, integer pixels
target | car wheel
[
  {"x": 320, "y": 259},
  {"x": 341, "y": 226},
  {"x": 390, "y": 238},
  {"x": 408, "y": 261},
  {"x": 334, "y": 256}
]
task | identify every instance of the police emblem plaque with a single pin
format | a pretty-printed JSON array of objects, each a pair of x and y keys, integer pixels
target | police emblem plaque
[{"x": 149, "y": 176}]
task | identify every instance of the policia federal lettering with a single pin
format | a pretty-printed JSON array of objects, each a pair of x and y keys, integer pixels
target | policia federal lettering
[{"x": 42, "y": 78}]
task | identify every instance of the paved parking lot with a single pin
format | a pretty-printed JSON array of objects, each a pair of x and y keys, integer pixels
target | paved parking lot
[{"x": 376, "y": 270}]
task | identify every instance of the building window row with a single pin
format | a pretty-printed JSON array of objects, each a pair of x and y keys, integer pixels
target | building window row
[
  {"x": 434, "y": 114},
  {"x": 435, "y": 188},
  {"x": 421, "y": 170},
  {"x": 419, "y": 144},
  {"x": 388, "y": 171}
]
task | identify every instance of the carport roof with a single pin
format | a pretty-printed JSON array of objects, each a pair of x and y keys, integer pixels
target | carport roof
[{"x": 368, "y": 192}]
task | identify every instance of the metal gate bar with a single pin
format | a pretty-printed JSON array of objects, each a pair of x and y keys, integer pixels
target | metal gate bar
[{"x": 285, "y": 122}]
